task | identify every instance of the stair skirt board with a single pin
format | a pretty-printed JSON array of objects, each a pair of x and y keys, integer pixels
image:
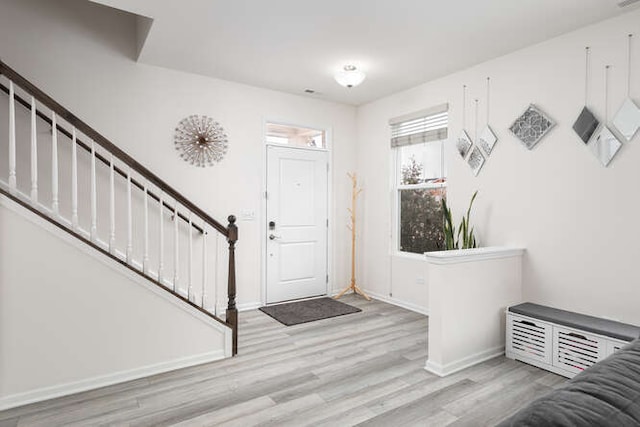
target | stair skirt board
[
  {"x": 127, "y": 375},
  {"x": 47, "y": 393},
  {"x": 459, "y": 365},
  {"x": 78, "y": 244}
]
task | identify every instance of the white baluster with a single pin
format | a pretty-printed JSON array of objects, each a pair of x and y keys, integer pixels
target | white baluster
[
  {"x": 145, "y": 257},
  {"x": 215, "y": 274},
  {"x": 55, "y": 206},
  {"x": 190, "y": 272},
  {"x": 12, "y": 140},
  {"x": 74, "y": 179},
  {"x": 161, "y": 255},
  {"x": 34, "y": 153},
  {"x": 129, "y": 220},
  {"x": 112, "y": 206},
  {"x": 94, "y": 195},
  {"x": 204, "y": 265},
  {"x": 176, "y": 250}
]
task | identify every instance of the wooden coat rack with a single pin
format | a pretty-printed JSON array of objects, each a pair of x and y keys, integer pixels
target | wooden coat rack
[{"x": 354, "y": 198}]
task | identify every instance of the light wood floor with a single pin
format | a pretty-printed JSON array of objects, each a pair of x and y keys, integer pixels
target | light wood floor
[{"x": 359, "y": 369}]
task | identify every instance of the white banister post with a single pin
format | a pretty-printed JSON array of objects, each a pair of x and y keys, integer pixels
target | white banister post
[
  {"x": 215, "y": 274},
  {"x": 145, "y": 256},
  {"x": 12, "y": 139},
  {"x": 94, "y": 196},
  {"x": 129, "y": 219},
  {"x": 34, "y": 153},
  {"x": 204, "y": 265},
  {"x": 161, "y": 246},
  {"x": 74, "y": 179},
  {"x": 190, "y": 272},
  {"x": 55, "y": 204},
  {"x": 176, "y": 250},
  {"x": 112, "y": 206}
]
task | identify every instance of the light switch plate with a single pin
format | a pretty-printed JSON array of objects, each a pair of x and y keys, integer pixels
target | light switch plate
[{"x": 247, "y": 215}]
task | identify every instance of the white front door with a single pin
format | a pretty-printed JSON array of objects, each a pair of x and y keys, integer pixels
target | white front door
[{"x": 297, "y": 221}]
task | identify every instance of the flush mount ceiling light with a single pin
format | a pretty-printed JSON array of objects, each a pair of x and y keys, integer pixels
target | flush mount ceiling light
[{"x": 350, "y": 76}]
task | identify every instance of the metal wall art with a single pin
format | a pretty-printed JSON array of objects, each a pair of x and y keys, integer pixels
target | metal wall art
[
  {"x": 586, "y": 123},
  {"x": 476, "y": 160},
  {"x": 488, "y": 138},
  {"x": 464, "y": 143},
  {"x": 531, "y": 126},
  {"x": 200, "y": 140},
  {"x": 627, "y": 119},
  {"x": 604, "y": 145}
]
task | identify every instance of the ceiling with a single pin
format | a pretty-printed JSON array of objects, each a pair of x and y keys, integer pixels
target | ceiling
[{"x": 293, "y": 45}]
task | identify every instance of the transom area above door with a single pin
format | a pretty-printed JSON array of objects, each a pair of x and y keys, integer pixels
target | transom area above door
[{"x": 295, "y": 136}]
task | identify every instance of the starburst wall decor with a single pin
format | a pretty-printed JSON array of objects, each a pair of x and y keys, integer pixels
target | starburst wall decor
[{"x": 200, "y": 140}]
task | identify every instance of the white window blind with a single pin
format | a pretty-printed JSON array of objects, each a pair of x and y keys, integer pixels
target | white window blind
[{"x": 422, "y": 126}]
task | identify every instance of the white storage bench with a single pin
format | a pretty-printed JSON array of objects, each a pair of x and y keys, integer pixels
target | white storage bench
[{"x": 561, "y": 341}]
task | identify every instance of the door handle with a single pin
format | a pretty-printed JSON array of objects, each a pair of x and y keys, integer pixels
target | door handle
[{"x": 273, "y": 237}]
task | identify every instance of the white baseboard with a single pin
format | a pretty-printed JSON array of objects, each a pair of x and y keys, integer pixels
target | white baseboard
[
  {"x": 46, "y": 393},
  {"x": 404, "y": 304},
  {"x": 241, "y": 307},
  {"x": 466, "y": 362},
  {"x": 249, "y": 306}
]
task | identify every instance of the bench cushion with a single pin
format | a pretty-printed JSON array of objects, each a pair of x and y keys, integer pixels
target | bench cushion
[{"x": 608, "y": 328}]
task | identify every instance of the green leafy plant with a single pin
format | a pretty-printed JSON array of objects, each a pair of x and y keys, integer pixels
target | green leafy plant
[{"x": 465, "y": 237}]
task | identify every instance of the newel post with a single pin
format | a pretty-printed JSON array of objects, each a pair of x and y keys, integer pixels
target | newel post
[{"x": 232, "y": 311}]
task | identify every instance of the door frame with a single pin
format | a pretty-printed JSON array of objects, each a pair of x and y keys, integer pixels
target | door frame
[{"x": 263, "y": 200}]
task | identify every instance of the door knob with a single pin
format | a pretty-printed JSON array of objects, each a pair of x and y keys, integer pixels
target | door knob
[{"x": 273, "y": 237}]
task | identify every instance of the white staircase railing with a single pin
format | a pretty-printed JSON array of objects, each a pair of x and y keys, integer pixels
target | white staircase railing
[{"x": 132, "y": 215}]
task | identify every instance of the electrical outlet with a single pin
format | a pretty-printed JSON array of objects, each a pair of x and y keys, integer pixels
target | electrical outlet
[{"x": 420, "y": 280}]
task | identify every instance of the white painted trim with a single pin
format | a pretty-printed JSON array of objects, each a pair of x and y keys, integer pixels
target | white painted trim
[
  {"x": 397, "y": 302},
  {"x": 246, "y": 306},
  {"x": 263, "y": 203},
  {"x": 46, "y": 393},
  {"x": 470, "y": 255},
  {"x": 109, "y": 262},
  {"x": 408, "y": 255},
  {"x": 466, "y": 362}
]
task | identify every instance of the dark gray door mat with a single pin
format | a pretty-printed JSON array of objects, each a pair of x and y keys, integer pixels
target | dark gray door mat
[{"x": 294, "y": 313}]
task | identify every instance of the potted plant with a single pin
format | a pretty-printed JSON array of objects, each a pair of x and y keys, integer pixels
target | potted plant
[{"x": 465, "y": 237}]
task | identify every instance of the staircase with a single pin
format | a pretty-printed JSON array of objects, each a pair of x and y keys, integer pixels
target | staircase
[{"x": 103, "y": 197}]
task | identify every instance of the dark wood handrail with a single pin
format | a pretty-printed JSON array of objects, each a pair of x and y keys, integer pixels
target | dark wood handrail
[
  {"x": 86, "y": 147},
  {"x": 91, "y": 133},
  {"x": 230, "y": 232}
]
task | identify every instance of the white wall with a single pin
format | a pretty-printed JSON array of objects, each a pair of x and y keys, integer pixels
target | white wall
[
  {"x": 56, "y": 293},
  {"x": 81, "y": 54},
  {"x": 575, "y": 217}
]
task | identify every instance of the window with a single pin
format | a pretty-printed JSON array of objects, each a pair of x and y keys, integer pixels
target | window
[
  {"x": 295, "y": 136},
  {"x": 420, "y": 179}
]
